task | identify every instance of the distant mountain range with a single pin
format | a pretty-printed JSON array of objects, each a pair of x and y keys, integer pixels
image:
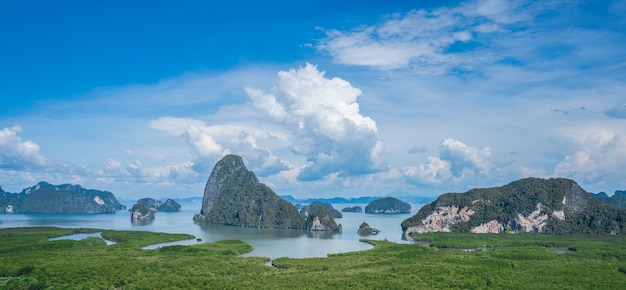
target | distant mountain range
[{"x": 362, "y": 199}]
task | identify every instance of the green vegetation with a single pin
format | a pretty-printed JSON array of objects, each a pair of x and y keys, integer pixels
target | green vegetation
[
  {"x": 169, "y": 206},
  {"x": 452, "y": 260},
  {"x": 65, "y": 199},
  {"x": 306, "y": 210},
  {"x": 618, "y": 199},
  {"x": 325, "y": 219},
  {"x": 388, "y": 205},
  {"x": 234, "y": 196},
  {"x": 583, "y": 213}
]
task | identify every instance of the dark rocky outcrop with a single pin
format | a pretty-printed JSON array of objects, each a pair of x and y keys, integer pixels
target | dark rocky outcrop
[
  {"x": 352, "y": 209},
  {"x": 322, "y": 220},
  {"x": 141, "y": 211},
  {"x": 234, "y": 196},
  {"x": 168, "y": 206},
  {"x": 366, "y": 230},
  {"x": 306, "y": 210},
  {"x": 534, "y": 205},
  {"x": 65, "y": 198},
  {"x": 388, "y": 205},
  {"x": 150, "y": 203}
]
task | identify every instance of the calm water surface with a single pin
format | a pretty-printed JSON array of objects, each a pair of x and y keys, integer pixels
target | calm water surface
[{"x": 272, "y": 243}]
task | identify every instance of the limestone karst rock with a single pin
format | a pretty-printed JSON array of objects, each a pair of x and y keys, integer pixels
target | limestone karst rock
[
  {"x": 59, "y": 199},
  {"x": 318, "y": 205},
  {"x": 388, "y": 205},
  {"x": 234, "y": 196},
  {"x": 140, "y": 211},
  {"x": 352, "y": 209},
  {"x": 322, "y": 220},
  {"x": 534, "y": 205},
  {"x": 365, "y": 230},
  {"x": 168, "y": 206}
]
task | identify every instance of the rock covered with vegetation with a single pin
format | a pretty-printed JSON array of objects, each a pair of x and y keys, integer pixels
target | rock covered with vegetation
[
  {"x": 234, "y": 196},
  {"x": 352, "y": 209},
  {"x": 168, "y": 206},
  {"x": 322, "y": 220},
  {"x": 59, "y": 199},
  {"x": 618, "y": 199},
  {"x": 149, "y": 202},
  {"x": 366, "y": 230},
  {"x": 140, "y": 211},
  {"x": 555, "y": 205},
  {"x": 306, "y": 210},
  {"x": 388, "y": 205}
]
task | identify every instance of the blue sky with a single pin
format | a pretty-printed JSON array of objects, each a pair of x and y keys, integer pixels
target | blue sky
[{"x": 323, "y": 99}]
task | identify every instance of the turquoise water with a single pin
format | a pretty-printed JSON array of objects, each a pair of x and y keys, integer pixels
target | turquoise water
[{"x": 272, "y": 243}]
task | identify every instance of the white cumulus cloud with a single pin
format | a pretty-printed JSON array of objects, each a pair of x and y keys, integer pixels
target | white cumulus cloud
[
  {"x": 18, "y": 154},
  {"x": 323, "y": 117},
  {"x": 456, "y": 162},
  {"x": 600, "y": 156}
]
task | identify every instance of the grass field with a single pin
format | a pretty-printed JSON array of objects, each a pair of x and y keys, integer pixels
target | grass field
[{"x": 28, "y": 260}]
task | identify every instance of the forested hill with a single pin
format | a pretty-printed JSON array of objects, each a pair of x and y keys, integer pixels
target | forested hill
[
  {"x": 618, "y": 199},
  {"x": 66, "y": 198},
  {"x": 555, "y": 205}
]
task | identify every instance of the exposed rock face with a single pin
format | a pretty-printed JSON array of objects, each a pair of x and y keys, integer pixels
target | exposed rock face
[
  {"x": 490, "y": 227},
  {"x": 352, "y": 209},
  {"x": 388, "y": 205},
  {"x": 141, "y": 212},
  {"x": 306, "y": 210},
  {"x": 529, "y": 205},
  {"x": 150, "y": 203},
  {"x": 442, "y": 219},
  {"x": 168, "y": 206},
  {"x": 234, "y": 196},
  {"x": 65, "y": 198},
  {"x": 322, "y": 220},
  {"x": 366, "y": 230}
]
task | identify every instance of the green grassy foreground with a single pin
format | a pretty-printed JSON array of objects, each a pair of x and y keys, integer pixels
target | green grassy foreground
[{"x": 29, "y": 261}]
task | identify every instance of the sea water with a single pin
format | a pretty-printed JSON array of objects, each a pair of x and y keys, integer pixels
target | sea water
[{"x": 272, "y": 243}]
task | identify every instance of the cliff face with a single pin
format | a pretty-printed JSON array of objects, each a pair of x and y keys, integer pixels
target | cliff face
[
  {"x": 141, "y": 211},
  {"x": 65, "y": 198},
  {"x": 234, "y": 196},
  {"x": 534, "y": 205},
  {"x": 322, "y": 220}
]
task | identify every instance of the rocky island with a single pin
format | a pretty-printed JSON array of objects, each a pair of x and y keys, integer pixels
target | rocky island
[
  {"x": 306, "y": 210},
  {"x": 388, "y": 205},
  {"x": 59, "y": 199},
  {"x": 322, "y": 220},
  {"x": 352, "y": 209},
  {"x": 168, "y": 206},
  {"x": 366, "y": 230},
  {"x": 234, "y": 196},
  {"x": 531, "y": 205}
]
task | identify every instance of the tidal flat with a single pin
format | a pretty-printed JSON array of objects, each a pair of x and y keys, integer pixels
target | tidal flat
[{"x": 29, "y": 260}]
